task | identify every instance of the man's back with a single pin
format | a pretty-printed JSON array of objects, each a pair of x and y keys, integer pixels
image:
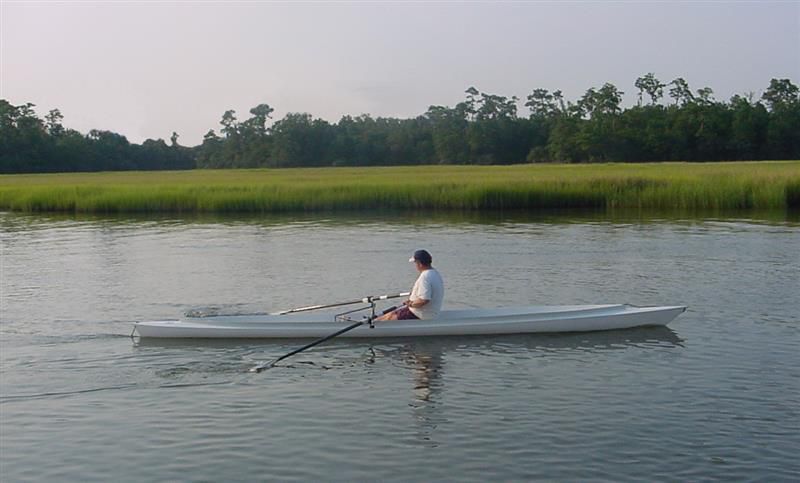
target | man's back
[{"x": 429, "y": 286}]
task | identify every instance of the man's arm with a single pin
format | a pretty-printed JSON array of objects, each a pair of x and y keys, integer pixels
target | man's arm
[
  {"x": 426, "y": 290},
  {"x": 417, "y": 303}
]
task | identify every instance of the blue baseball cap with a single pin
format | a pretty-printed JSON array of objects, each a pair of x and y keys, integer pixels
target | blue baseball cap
[{"x": 421, "y": 256}]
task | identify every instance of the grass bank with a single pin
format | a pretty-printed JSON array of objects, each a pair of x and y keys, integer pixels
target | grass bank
[{"x": 740, "y": 185}]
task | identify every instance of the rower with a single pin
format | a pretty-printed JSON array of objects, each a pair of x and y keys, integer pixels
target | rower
[{"x": 426, "y": 297}]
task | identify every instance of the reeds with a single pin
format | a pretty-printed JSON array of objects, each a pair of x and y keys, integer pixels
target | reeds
[{"x": 750, "y": 185}]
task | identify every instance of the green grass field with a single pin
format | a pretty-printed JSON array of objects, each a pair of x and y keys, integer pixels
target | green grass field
[{"x": 740, "y": 185}]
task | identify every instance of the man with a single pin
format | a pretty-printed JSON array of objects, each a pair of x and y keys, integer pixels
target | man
[{"x": 426, "y": 297}]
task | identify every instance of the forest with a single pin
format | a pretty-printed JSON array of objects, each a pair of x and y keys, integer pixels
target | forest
[{"x": 669, "y": 122}]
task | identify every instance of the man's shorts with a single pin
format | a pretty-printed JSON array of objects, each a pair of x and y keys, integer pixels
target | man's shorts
[{"x": 404, "y": 313}]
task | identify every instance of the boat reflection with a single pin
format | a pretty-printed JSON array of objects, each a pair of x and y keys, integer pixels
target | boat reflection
[
  {"x": 503, "y": 344},
  {"x": 424, "y": 359}
]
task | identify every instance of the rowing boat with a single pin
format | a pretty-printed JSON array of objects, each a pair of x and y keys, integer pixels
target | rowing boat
[{"x": 534, "y": 319}]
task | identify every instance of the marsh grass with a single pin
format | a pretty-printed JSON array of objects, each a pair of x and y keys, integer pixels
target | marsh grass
[{"x": 742, "y": 185}]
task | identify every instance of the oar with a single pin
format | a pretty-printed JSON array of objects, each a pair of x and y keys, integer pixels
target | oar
[
  {"x": 269, "y": 365},
  {"x": 365, "y": 300}
]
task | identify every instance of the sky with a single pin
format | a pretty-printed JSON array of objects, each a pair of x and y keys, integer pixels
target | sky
[{"x": 147, "y": 68}]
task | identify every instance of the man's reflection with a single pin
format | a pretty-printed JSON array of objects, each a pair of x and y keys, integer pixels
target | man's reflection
[{"x": 425, "y": 364}]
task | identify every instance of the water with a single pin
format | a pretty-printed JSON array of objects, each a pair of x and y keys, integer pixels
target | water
[{"x": 716, "y": 396}]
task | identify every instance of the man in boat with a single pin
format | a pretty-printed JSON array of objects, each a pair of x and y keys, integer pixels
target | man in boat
[{"x": 426, "y": 297}]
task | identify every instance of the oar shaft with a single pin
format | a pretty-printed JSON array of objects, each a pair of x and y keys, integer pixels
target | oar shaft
[
  {"x": 261, "y": 367},
  {"x": 317, "y": 307},
  {"x": 318, "y": 341},
  {"x": 339, "y": 304}
]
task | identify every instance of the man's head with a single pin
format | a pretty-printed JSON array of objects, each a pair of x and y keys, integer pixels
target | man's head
[{"x": 422, "y": 259}]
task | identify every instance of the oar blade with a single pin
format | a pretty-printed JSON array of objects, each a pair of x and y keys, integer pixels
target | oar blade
[{"x": 263, "y": 366}]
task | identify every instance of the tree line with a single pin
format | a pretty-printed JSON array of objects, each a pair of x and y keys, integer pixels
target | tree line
[
  {"x": 669, "y": 122},
  {"x": 29, "y": 144}
]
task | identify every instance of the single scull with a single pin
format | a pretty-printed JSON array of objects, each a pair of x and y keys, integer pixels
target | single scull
[{"x": 300, "y": 324}]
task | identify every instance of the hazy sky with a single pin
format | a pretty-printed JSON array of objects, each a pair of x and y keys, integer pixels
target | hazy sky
[{"x": 145, "y": 69}]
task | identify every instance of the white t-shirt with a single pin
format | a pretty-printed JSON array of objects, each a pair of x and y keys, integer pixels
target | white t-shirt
[{"x": 429, "y": 286}]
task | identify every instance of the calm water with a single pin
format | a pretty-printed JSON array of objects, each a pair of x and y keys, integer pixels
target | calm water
[{"x": 716, "y": 396}]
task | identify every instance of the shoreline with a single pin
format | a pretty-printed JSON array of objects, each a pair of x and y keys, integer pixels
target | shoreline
[{"x": 760, "y": 185}]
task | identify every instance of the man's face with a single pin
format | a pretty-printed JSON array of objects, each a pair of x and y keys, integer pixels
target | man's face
[{"x": 418, "y": 265}]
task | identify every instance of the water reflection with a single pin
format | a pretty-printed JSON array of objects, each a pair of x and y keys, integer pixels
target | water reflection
[
  {"x": 426, "y": 364},
  {"x": 14, "y": 222},
  {"x": 426, "y": 368},
  {"x": 500, "y": 344},
  {"x": 426, "y": 361}
]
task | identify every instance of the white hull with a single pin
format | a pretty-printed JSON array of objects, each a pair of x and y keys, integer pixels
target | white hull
[{"x": 567, "y": 318}]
